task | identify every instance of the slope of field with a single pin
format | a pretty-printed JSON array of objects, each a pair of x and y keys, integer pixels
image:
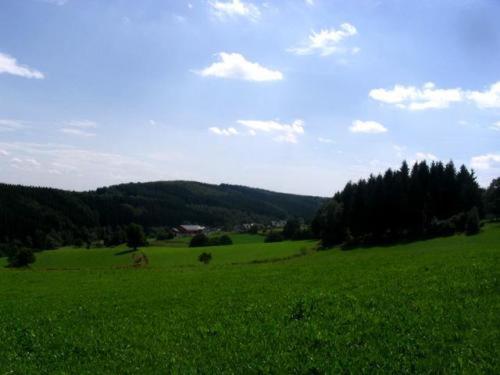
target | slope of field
[{"x": 430, "y": 306}]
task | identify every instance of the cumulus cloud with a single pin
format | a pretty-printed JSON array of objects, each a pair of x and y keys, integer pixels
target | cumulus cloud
[
  {"x": 327, "y": 41},
  {"x": 234, "y": 8},
  {"x": 283, "y": 132},
  {"x": 487, "y": 161},
  {"x": 431, "y": 97},
  {"x": 415, "y": 99},
  {"x": 235, "y": 66},
  {"x": 488, "y": 98},
  {"x": 9, "y": 65},
  {"x": 372, "y": 127},
  {"x": 226, "y": 132}
]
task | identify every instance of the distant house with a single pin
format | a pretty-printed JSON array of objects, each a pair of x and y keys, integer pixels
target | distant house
[
  {"x": 278, "y": 223},
  {"x": 189, "y": 230}
]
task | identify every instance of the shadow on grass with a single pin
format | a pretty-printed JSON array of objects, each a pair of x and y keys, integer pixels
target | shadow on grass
[{"x": 123, "y": 252}]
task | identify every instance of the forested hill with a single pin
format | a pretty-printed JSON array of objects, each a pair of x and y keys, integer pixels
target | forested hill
[{"x": 25, "y": 210}]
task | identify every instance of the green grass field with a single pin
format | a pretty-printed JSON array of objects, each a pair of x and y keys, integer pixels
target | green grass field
[{"x": 429, "y": 306}]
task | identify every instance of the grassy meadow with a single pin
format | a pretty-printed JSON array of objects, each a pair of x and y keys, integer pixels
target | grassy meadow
[{"x": 428, "y": 306}]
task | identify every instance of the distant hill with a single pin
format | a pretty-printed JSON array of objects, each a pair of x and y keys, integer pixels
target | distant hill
[{"x": 24, "y": 210}]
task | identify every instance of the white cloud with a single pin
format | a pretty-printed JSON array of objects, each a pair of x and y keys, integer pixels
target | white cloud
[
  {"x": 284, "y": 132},
  {"x": 421, "y": 156},
  {"x": 78, "y": 128},
  {"x": 235, "y": 66},
  {"x": 83, "y": 124},
  {"x": 3, "y": 153},
  {"x": 310, "y": 2},
  {"x": 486, "y": 99},
  {"x": 9, "y": 65},
  {"x": 487, "y": 161},
  {"x": 324, "y": 140},
  {"x": 430, "y": 97},
  {"x": 495, "y": 126},
  {"x": 415, "y": 99},
  {"x": 327, "y": 41},
  {"x": 7, "y": 125},
  {"x": 78, "y": 163},
  {"x": 226, "y": 132},
  {"x": 77, "y": 132},
  {"x": 26, "y": 164},
  {"x": 372, "y": 127},
  {"x": 234, "y": 8}
]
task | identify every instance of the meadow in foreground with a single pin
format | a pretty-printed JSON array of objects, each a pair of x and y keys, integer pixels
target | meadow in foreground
[{"x": 429, "y": 306}]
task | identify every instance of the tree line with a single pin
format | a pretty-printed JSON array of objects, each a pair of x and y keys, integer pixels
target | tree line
[
  {"x": 46, "y": 218},
  {"x": 426, "y": 201}
]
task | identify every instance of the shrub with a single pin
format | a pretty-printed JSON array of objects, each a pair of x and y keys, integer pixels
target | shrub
[
  {"x": 473, "y": 225},
  {"x": 21, "y": 258},
  {"x": 442, "y": 227},
  {"x": 199, "y": 240},
  {"x": 274, "y": 237},
  {"x": 225, "y": 240},
  {"x": 163, "y": 235},
  {"x": 205, "y": 258}
]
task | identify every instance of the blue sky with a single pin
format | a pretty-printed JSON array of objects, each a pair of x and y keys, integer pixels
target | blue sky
[{"x": 293, "y": 95}]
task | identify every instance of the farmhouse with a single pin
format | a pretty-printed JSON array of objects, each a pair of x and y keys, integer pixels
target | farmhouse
[{"x": 189, "y": 230}]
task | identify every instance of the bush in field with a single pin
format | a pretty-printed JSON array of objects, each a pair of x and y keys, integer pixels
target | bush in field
[
  {"x": 225, "y": 240},
  {"x": 274, "y": 237},
  {"x": 21, "y": 258},
  {"x": 205, "y": 258},
  {"x": 199, "y": 240},
  {"x": 163, "y": 235},
  {"x": 135, "y": 236},
  {"x": 473, "y": 224}
]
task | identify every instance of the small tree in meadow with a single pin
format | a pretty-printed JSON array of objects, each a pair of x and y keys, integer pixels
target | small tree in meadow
[
  {"x": 205, "y": 258},
  {"x": 135, "y": 236}
]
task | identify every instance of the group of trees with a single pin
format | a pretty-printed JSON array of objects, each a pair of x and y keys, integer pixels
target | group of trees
[{"x": 428, "y": 200}]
